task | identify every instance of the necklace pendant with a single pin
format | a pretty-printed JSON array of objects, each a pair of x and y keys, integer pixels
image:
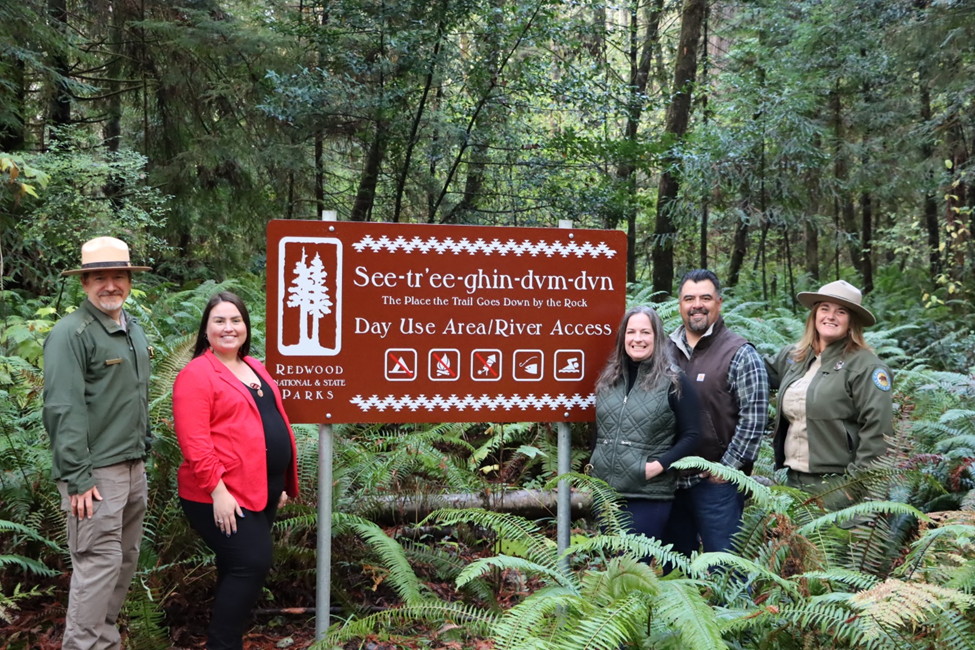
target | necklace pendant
[{"x": 260, "y": 393}]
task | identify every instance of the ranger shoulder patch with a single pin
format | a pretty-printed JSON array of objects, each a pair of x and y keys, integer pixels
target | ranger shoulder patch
[{"x": 881, "y": 379}]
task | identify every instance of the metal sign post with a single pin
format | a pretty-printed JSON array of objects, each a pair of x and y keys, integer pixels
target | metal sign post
[
  {"x": 563, "y": 516},
  {"x": 323, "y": 576}
]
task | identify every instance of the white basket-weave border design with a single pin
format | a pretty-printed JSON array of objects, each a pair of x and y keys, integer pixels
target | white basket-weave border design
[
  {"x": 465, "y": 245},
  {"x": 486, "y": 402}
]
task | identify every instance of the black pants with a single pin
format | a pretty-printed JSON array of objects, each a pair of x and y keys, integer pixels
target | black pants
[{"x": 243, "y": 560}]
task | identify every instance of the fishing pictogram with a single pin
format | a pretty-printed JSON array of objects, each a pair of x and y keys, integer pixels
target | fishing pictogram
[{"x": 528, "y": 365}]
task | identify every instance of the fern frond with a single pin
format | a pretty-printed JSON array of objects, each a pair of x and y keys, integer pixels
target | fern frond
[
  {"x": 506, "y": 562},
  {"x": 606, "y": 502},
  {"x": 860, "y": 510},
  {"x": 705, "y": 561},
  {"x": 848, "y": 577},
  {"x": 894, "y": 604},
  {"x": 538, "y": 548},
  {"x": 435, "y": 612},
  {"x": 27, "y": 564},
  {"x": 622, "y": 576},
  {"x": 608, "y": 627},
  {"x": 636, "y": 546},
  {"x": 762, "y": 496},
  {"x": 681, "y": 607},
  {"x": 535, "y": 616},
  {"x": 402, "y": 578},
  {"x": 447, "y": 567}
]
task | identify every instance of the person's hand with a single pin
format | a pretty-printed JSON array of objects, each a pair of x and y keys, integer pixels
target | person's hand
[
  {"x": 717, "y": 480},
  {"x": 282, "y": 500},
  {"x": 83, "y": 505},
  {"x": 225, "y": 510},
  {"x": 654, "y": 469}
]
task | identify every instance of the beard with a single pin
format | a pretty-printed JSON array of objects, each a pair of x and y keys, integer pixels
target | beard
[
  {"x": 109, "y": 302},
  {"x": 699, "y": 325}
]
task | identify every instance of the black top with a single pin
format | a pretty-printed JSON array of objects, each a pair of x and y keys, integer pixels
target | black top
[
  {"x": 686, "y": 410},
  {"x": 277, "y": 439}
]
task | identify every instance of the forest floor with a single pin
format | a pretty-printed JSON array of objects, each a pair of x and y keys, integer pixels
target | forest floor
[
  {"x": 284, "y": 616},
  {"x": 39, "y": 625}
]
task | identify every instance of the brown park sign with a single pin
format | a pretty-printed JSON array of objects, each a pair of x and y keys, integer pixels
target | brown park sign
[{"x": 376, "y": 322}]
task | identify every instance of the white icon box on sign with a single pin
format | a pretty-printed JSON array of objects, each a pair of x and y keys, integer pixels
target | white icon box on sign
[
  {"x": 444, "y": 365},
  {"x": 569, "y": 365},
  {"x": 309, "y": 309},
  {"x": 528, "y": 365},
  {"x": 486, "y": 365},
  {"x": 400, "y": 364}
]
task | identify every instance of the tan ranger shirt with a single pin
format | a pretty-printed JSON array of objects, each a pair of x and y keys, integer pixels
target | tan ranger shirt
[{"x": 794, "y": 409}]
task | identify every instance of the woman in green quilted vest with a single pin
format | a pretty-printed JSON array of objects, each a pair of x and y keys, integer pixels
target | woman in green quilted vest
[{"x": 647, "y": 417}]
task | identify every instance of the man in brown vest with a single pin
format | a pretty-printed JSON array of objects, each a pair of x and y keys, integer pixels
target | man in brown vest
[{"x": 733, "y": 389}]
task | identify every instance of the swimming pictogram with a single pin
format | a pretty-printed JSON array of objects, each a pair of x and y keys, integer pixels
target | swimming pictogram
[{"x": 569, "y": 365}]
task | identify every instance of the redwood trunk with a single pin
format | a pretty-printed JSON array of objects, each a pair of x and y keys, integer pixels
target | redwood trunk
[{"x": 678, "y": 115}]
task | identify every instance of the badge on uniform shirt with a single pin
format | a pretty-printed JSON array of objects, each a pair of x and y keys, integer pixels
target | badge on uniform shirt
[
  {"x": 881, "y": 380},
  {"x": 700, "y": 376},
  {"x": 839, "y": 365}
]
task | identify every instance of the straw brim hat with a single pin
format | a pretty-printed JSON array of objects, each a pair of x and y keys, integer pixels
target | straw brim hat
[
  {"x": 841, "y": 293},
  {"x": 105, "y": 254}
]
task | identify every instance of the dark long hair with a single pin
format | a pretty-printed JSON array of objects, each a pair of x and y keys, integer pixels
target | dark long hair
[
  {"x": 661, "y": 363},
  {"x": 201, "y": 337}
]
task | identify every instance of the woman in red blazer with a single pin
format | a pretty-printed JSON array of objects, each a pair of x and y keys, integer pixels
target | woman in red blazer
[{"x": 240, "y": 461}]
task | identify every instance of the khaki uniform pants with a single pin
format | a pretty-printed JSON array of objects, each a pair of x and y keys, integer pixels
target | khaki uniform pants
[{"x": 104, "y": 555}]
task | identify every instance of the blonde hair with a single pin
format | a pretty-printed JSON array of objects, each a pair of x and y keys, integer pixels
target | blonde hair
[{"x": 810, "y": 337}]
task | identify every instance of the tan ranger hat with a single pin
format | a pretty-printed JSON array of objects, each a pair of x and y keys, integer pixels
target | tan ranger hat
[
  {"x": 105, "y": 254},
  {"x": 840, "y": 292}
]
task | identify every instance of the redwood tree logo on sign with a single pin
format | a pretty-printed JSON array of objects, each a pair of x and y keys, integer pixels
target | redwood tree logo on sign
[
  {"x": 310, "y": 296},
  {"x": 373, "y": 322}
]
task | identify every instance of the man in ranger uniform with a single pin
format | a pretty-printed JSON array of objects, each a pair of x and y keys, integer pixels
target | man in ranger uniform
[
  {"x": 96, "y": 412},
  {"x": 732, "y": 386}
]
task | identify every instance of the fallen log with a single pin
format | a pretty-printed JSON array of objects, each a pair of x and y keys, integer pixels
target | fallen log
[{"x": 531, "y": 504}]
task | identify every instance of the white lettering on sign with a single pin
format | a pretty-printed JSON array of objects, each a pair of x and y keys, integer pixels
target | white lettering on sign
[
  {"x": 364, "y": 326},
  {"x": 281, "y": 370},
  {"x": 482, "y": 281}
]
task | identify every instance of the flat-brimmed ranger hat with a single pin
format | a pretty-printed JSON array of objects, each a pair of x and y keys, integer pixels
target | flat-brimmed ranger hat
[
  {"x": 840, "y": 292},
  {"x": 105, "y": 254}
]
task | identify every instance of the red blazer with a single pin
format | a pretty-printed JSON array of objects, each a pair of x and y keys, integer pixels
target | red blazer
[{"x": 221, "y": 434}]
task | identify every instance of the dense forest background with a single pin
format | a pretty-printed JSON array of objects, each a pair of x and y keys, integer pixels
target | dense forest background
[{"x": 782, "y": 143}]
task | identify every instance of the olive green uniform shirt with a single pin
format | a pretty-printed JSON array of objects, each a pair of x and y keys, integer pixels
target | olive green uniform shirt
[
  {"x": 849, "y": 408},
  {"x": 96, "y": 394}
]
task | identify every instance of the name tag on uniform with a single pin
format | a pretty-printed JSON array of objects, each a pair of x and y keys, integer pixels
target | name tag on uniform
[
  {"x": 700, "y": 376},
  {"x": 113, "y": 362}
]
